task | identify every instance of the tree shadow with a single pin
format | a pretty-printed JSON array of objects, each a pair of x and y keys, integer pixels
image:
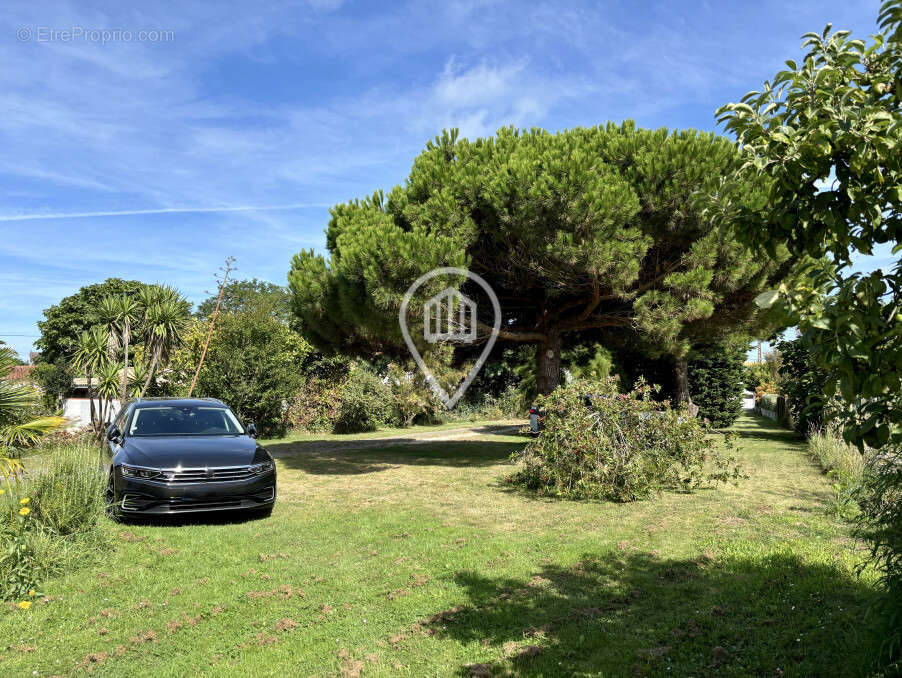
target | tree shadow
[
  {"x": 635, "y": 614},
  {"x": 756, "y": 427},
  {"x": 503, "y": 430},
  {"x": 390, "y": 454}
]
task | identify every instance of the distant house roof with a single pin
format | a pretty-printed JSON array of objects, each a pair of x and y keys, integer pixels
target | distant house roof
[
  {"x": 82, "y": 382},
  {"x": 20, "y": 372}
]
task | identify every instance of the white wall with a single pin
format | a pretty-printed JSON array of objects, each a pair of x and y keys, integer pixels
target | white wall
[{"x": 77, "y": 411}]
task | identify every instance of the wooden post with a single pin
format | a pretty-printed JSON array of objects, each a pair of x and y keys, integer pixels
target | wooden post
[{"x": 225, "y": 277}]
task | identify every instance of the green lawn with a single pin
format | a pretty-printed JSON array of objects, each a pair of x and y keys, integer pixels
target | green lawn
[{"x": 416, "y": 560}]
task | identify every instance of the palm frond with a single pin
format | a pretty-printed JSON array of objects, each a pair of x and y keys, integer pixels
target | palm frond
[
  {"x": 8, "y": 360},
  {"x": 15, "y": 400},
  {"x": 29, "y": 432}
]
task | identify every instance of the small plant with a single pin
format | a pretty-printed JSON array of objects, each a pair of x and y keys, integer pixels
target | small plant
[
  {"x": 18, "y": 569},
  {"x": 600, "y": 444},
  {"x": 411, "y": 397}
]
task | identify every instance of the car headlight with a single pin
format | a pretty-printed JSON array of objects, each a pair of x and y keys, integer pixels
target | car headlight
[
  {"x": 135, "y": 472},
  {"x": 264, "y": 467}
]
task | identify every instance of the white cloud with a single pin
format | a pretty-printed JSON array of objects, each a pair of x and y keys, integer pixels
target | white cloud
[{"x": 165, "y": 210}]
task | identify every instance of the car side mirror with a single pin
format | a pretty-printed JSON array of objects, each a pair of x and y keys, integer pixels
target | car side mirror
[
  {"x": 113, "y": 433},
  {"x": 252, "y": 430}
]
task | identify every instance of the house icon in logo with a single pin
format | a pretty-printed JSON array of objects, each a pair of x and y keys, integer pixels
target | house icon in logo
[{"x": 449, "y": 316}]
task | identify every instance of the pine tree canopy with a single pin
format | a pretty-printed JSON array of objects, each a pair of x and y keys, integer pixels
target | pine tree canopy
[{"x": 605, "y": 229}]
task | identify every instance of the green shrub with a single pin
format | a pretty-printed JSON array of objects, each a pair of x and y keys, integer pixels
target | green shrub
[
  {"x": 845, "y": 466},
  {"x": 55, "y": 381},
  {"x": 365, "y": 402},
  {"x": 622, "y": 448},
  {"x": 509, "y": 404},
  {"x": 715, "y": 382},
  {"x": 53, "y": 520},
  {"x": 802, "y": 382},
  {"x": 67, "y": 494},
  {"x": 315, "y": 406},
  {"x": 835, "y": 454},
  {"x": 253, "y": 364},
  {"x": 411, "y": 398}
]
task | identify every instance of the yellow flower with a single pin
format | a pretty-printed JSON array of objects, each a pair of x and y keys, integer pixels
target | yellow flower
[
  {"x": 24, "y": 511},
  {"x": 24, "y": 500},
  {"x": 25, "y": 604},
  {"x": 31, "y": 593},
  {"x": 2, "y": 491}
]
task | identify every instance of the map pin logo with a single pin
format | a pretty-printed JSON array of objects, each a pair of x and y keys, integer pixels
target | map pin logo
[{"x": 450, "y": 316}]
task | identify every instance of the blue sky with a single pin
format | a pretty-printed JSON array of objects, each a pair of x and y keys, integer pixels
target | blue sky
[{"x": 143, "y": 159}]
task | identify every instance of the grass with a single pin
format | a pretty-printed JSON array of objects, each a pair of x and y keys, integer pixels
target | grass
[{"x": 416, "y": 560}]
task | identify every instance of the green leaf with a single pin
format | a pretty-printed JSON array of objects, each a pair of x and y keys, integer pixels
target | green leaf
[{"x": 767, "y": 299}]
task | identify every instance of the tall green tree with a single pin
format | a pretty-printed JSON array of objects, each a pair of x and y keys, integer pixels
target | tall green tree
[
  {"x": 253, "y": 295},
  {"x": 599, "y": 230},
  {"x": 827, "y": 134},
  {"x": 64, "y": 322},
  {"x": 716, "y": 376},
  {"x": 252, "y": 363},
  {"x": 117, "y": 315}
]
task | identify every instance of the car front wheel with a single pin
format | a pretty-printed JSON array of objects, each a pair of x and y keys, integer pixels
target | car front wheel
[{"x": 112, "y": 509}]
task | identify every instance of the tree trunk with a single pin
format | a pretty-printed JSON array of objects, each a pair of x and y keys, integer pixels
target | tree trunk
[
  {"x": 95, "y": 425},
  {"x": 150, "y": 371},
  {"x": 125, "y": 339},
  {"x": 548, "y": 362},
  {"x": 683, "y": 397}
]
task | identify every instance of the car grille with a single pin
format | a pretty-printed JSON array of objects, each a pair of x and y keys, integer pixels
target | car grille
[{"x": 202, "y": 475}]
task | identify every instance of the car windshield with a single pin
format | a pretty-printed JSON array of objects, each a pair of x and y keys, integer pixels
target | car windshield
[{"x": 184, "y": 420}]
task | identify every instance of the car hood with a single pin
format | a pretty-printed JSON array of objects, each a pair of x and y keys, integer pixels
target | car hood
[{"x": 191, "y": 451}]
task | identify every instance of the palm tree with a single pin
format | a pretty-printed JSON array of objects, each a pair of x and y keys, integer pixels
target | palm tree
[
  {"x": 16, "y": 427},
  {"x": 108, "y": 313},
  {"x": 108, "y": 383},
  {"x": 128, "y": 312},
  {"x": 136, "y": 379},
  {"x": 117, "y": 315},
  {"x": 91, "y": 356},
  {"x": 165, "y": 317}
]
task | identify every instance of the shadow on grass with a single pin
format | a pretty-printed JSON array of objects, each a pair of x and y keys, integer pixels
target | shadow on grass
[
  {"x": 635, "y": 614},
  {"x": 755, "y": 427},
  {"x": 228, "y": 517},
  {"x": 390, "y": 454}
]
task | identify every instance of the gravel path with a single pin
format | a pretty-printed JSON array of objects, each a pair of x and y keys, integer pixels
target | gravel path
[{"x": 418, "y": 437}]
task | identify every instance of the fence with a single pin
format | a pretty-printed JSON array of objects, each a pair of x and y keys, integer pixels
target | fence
[{"x": 773, "y": 406}]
